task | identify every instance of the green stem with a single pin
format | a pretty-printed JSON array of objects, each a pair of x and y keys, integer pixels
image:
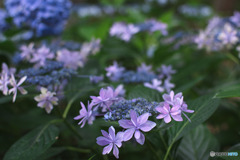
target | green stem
[
  {"x": 234, "y": 59},
  {"x": 78, "y": 149},
  {"x": 164, "y": 143},
  {"x": 69, "y": 105},
  {"x": 151, "y": 147}
]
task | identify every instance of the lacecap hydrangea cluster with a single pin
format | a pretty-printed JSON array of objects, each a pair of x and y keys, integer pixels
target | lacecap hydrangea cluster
[
  {"x": 44, "y": 17},
  {"x": 221, "y": 33},
  {"x": 143, "y": 74},
  {"x": 126, "y": 31},
  {"x": 132, "y": 115}
]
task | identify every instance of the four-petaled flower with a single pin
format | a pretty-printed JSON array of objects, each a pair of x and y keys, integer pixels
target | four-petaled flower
[
  {"x": 156, "y": 84},
  {"x": 85, "y": 114},
  {"x": 16, "y": 86},
  {"x": 111, "y": 140},
  {"x": 46, "y": 99},
  {"x": 136, "y": 125}
]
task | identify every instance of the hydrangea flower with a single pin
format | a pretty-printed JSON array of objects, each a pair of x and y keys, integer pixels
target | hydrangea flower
[
  {"x": 173, "y": 106},
  {"x": 110, "y": 141},
  {"x": 123, "y": 31},
  {"x": 228, "y": 36},
  {"x": 236, "y": 18},
  {"x": 41, "y": 55},
  {"x": 166, "y": 71},
  {"x": 3, "y": 22},
  {"x": 90, "y": 48},
  {"x": 136, "y": 125},
  {"x": 156, "y": 85},
  {"x": 16, "y": 86},
  {"x": 85, "y": 114},
  {"x": 105, "y": 99},
  {"x": 120, "y": 91},
  {"x": 71, "y": 59},
  {"x": 168, "y": 85},
  {"x": 157, "y": 26},
  {"x": 27, "y": 51},
  {"x": 144, "y": 68},
  {"x": 114, "y": 72},
  {"x": 96, "y": 79},
  {"x": 46, "y": 99},
  {"x": 44, "y": 17}
]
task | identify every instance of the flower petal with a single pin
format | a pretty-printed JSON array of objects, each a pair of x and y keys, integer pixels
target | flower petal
[
  {"x": 115, "y": 151},
  {"x": 133, "y": 116},
  {"x": 111, "y": 131},
  {"x": 141, "y": 140},
  {"x": 125, "y": 123},
  {"x": 103, "y": 141},
  {"x": 177, "y": 117},
  {"x": 107, "y": 149},
  {"x": 167, "y": 119},
  {"x": 143, "y": 118},
  {"x": 137, "y": 134},
  {"x": 149, "y": 125},
  {"x": 128, "y": 134}
]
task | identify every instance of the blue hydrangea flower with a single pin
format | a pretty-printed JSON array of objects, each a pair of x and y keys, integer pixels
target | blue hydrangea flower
[
  {"x": 45, "y": 17},
  {"x": 3, "y": 23},
  {"x": 121, "y": 109}
]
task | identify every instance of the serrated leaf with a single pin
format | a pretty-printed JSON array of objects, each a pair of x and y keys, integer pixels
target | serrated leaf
[
  {"x": 203, "y": 108},
  {"x": 33, "y": 144},
  {"x": 197, "y": 145}
]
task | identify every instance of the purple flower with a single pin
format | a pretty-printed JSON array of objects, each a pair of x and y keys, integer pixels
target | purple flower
[
  {"x": 96, "y": 79},
  {"x": 46, "y": 99},
  {"x": 166, "y": 112},
  {"x": 7, "y": 70},
  {"x": 136, "y": 125},
  {"x": 157, "y": 26},
  {"x": 166, "y": 71},
  {"x": 41, "y": 55},
  {"x": 70, "y": 59},
  {"x": 144, "y": 68},
  {"x": 156, "y": 85},
  {"x": 120, "y": 91},
  {"x": 123, "y": 31},
  {"x": 16, "y": 86},
  {"x": 105, "y": 99},
  {"x": 173, "y": 106},
  {"x": 168, "y": 85},
  {"x": 4, "y": 81},
  {"x": 228, "y": 36},
  {"x": 85, "y": 115},
  {"x": 27, "y": 51},
  {"x": 114, "y": 72},
  {"x": 236, "y": 18},
  {"x": 90, "y": 48},
  {"x": 110, "y": 141}
]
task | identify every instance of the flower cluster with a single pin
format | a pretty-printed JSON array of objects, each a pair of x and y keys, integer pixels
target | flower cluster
[
  {"x": 126, "y": 31},
  {"x": 144, "y": 74},
  {"x": 132, "y": 115},
  {"x": 72, "y": 59},
  {"x": 44, "y": 17},
  {"x": 173, "y": 106},
  {"x": 8, "y": 79},
  {"x": 220, "y": 34},
  {"x": 122, "y": 108}
]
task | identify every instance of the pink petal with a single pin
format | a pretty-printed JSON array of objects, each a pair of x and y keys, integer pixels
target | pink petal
[
  {"x": 177, "y": 117},
  {"x": 167, "y": 119},
  {"x": 107, "y": 149},
  {"x": 149, "y": 125}
]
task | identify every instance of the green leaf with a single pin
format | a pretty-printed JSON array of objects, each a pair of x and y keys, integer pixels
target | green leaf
[
  {"x": 51, "y": 152},
  {"x": 33, "y": 144},
  {"x": 203, "y": 108},
  {"x": 197, "y": 144},
  {"x": 232, "y": 91},
  {"x": 144, "y": 92}
]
